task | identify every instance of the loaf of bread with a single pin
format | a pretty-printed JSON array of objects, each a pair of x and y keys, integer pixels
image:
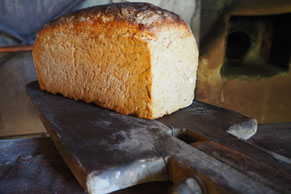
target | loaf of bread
[{"x": 133, "y": 58}]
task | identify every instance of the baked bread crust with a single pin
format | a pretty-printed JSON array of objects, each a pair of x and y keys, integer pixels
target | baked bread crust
[
  {"x": 115, "y": 55},
  {"x": 143, "y": 15}
]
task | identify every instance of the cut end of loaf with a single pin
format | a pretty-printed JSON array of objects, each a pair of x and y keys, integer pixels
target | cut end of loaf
[{"x": 174, "y": 68}]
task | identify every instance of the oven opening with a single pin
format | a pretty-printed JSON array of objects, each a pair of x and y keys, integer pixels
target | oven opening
[{"x": 257, "y": 46}]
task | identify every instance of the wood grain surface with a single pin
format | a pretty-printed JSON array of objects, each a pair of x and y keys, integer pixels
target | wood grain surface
[
  {"x": 33, "y": 165},
  {"x": 107, "y": 151},
  {"x": 275, "y": 137}
]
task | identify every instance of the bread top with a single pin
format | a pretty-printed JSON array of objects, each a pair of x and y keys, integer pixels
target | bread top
[{"x": 144, "y": 16}]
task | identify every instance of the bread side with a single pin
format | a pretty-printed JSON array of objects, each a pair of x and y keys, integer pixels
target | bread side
[
  {"x": 114, "y": 56},
  {"x": 95, "y": 65}
]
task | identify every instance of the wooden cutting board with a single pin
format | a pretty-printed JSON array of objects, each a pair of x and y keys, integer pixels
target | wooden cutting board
[{"x": 107, "y": 151}]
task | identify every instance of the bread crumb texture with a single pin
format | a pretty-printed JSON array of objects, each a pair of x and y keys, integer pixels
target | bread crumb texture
[{"x": 133, "y": 58}]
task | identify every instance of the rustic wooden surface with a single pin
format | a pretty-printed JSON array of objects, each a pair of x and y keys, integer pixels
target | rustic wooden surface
[
  {"x": 265, "y": 166},
  {"x": 275, "y": 137},
  {"x": 34, "y": 165},
  {"x": 106, "y": 148}
]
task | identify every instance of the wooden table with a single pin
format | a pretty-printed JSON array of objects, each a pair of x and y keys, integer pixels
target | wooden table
[
  {"x": 33, "y": 165},
  {"x": 275, "y": 137}
]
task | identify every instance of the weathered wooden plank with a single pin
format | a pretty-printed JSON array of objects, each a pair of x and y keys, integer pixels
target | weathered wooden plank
[
  {"x": 107, "y": 151},
  {"x": 101, "y": 147},
  {"x": 211, "y": 124},
  {"x": 34, "y": 166},
  {"x": 276, "y": 179},
  {"x": 275, "y": 137},
  {"x": 212, "y": 121}
]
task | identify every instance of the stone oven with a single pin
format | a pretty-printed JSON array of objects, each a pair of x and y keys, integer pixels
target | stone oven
[{"x": 245, "y": 51}]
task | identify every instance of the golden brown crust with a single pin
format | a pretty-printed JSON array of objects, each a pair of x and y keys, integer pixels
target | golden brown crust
[
  {"x": 143, "y": 15},
  {"x": 101, "y": 57}
]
